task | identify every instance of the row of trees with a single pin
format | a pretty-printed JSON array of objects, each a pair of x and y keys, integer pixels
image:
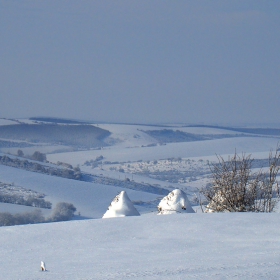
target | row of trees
[
  {"x": 63, "y": 211},
  {"x": 27, "y": 201},
  {"x": 40, "y": 168},
  {"x": 236, "y": 187},
  {"x": 38, "y": 156}
]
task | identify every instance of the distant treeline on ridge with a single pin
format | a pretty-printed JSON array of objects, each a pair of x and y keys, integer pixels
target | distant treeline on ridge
[{"x": 86, "y": 136}]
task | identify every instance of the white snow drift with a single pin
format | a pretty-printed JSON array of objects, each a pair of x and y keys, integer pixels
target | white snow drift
[
  {"x": 175, "y": 202},
  {"x": 121, "y": 206}
]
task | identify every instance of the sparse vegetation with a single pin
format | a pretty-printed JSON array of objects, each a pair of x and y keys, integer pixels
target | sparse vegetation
[
  {"x": 173, "y": 170},
  {"x": 9, "y": 193},
  {"x": 30, "y": 201},
  {"x": 37, "y": 167},
  {"x": 94, "y": 162},
  {"x": 63, "y": 211},
  {"x": 39, "y": 156},
  {"x": 8, "y": 219},
  {"x": 236, "y": 188},
  {"x": 20, "y": 153}
]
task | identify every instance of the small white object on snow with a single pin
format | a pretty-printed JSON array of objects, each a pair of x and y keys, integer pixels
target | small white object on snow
[
  {"x": 175, "y": 202},
  {"x": 121, "y": 206},
  {"x": 43, "y": 266}
]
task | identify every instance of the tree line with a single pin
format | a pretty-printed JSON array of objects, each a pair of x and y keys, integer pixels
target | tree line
[
  {"x": 63, "y": 211},
  {"x": 40, "y": 168}
]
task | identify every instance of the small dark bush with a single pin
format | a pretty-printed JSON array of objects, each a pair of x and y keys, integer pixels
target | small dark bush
[{"x": 39, "y": 156}]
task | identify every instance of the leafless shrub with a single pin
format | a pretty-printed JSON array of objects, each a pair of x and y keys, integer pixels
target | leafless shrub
[{"x": 236, "y": 188}]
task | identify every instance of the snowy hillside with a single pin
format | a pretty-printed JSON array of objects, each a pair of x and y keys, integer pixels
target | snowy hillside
[
  {"x": 131, "y": 159},
  {"x": 91, "y": 200},
  {"x": 147, "y": 163},
  {"x": 187, "y": 246}
]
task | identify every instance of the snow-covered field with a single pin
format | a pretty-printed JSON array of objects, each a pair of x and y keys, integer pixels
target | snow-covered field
[
  {"x": 171, "y": 150},
  {"x": 187, "y": 246}
]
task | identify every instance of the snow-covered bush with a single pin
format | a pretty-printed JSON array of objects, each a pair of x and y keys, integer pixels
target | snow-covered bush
[
  {"x": 121, "y": 206},
  {"x": 63, "y": 211},
  {"x": 8, "y": 219},
  {"x": 175, "y": 202},
  {"x": 218, "y": 203},
  {"x": 236, "y": 187}
]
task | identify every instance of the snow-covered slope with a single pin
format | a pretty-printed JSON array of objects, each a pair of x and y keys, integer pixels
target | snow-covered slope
[
  {"x": 171, "y": 150},
  {"x": 187, "y": 246},
  {"x": 91, "y": 200},
  {"x": 136, "y": 156}
]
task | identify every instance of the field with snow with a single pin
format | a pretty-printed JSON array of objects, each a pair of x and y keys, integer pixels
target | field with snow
[
  {"x": 187, "y": 246},
  {"x": 88, "y": 165}
]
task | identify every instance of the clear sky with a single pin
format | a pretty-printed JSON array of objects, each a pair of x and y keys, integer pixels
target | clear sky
[{"x": 144, "y": 61}]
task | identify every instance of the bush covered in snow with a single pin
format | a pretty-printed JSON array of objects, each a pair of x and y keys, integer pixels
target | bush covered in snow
[
  {"x": 237, "y": 187},
  {"x": 9, "y": 193},
  {"x": 63, "y": 211},
  {"x": 121, "y": 206},
  {"x": 175, "y": 202},
  {"x": 7, "y": 219}
]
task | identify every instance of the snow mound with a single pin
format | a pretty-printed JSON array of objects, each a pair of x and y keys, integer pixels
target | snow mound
[
  {"x": 121, "y": 206},
  {"x": 175, "y": 202}
]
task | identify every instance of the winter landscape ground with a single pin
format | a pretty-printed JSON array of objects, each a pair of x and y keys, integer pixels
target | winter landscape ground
[{"x": 88, "y": 164}]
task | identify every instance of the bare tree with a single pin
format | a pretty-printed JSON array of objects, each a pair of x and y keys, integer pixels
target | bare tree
[{"x": 236, "y": 188}]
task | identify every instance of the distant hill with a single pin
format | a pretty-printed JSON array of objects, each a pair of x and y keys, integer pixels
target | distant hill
[
  {"x": 260, "y": 131},
  {"x": 171, "y": 136},
  {"x": 57, "y": 120},
  {"x": 86, "y": 136}
]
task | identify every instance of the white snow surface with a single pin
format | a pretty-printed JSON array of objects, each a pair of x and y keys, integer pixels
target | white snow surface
[
  {"x": 174, "y": 203},
  {"x": 121, "y": 206},
  {"x": 187, "y": 246}
]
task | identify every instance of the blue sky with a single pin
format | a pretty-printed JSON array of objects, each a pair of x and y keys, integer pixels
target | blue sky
[{"x": 211, "y": 62}]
